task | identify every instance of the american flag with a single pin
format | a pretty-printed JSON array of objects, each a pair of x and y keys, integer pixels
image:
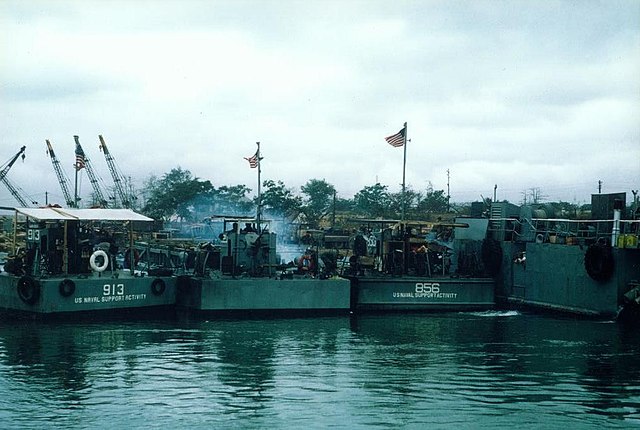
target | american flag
[
  {"x": 80, "y": 161},
  {"x": 253, "y": 160},
  {"x": 397, "y": 139}
]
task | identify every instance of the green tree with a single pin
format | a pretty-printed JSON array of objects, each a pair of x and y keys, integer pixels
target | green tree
[
  {"x": 372, "y": 201},
  {"x": 433, "y": 201},
  {"x": 233, "y": 200},
  {"x": 462, "y": 208},
  {"x": 174, "y": 194},
  {"x": 344, "y": 205},
  {"x": 317, "y": 201},
  {"x": 563, "y": 209},
  {"x": 410, "y": 199},
  {"x": 276, "y": 198}
]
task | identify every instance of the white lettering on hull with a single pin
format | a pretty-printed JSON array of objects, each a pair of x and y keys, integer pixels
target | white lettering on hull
[
  {"x": 111, "y": 293},
  {"x": 425, "y": 290}
]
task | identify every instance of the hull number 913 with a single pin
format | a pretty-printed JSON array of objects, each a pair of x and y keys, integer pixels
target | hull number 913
[{"x": 113, "y": 290}]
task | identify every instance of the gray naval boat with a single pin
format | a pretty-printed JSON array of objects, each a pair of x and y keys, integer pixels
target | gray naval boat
[
  {"x": 64, "y": 263},
  {"x": 419, "y": 266},
  {"x": 588, "y": 267},
  {"x": 241, "y": 274}
]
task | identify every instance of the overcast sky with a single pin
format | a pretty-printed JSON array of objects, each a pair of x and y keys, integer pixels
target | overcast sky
[{"x": 518, "y": 94}]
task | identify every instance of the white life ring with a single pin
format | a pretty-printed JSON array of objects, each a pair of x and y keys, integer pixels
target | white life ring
[{"x": 105, "y": 259}]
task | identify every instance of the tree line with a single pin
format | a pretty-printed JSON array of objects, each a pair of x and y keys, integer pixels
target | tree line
[{"x": 180, "y": 195}]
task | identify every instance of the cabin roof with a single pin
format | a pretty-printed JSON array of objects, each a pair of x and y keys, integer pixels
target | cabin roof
[{"x": 68, "y": 214}]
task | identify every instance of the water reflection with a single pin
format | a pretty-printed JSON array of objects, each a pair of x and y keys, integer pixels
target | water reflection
[
  {"x": 521, "y": 361},
  {"x": 435, "y": 369},
  {"x": 52, "y": 355}
]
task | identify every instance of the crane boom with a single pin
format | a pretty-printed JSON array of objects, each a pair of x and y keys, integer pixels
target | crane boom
[
  {"x": 8, "y": 164},
  {"x": 62, "y": 178},
  {"x": 3, "y": 177},
  {"x": 14, "y": 192},
  {"x": 92, "y": 176},
  {"x": 117, "y": 178}
]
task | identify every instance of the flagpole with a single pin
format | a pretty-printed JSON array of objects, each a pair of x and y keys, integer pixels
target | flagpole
[
  {"x": 259, "y": 195},
  {"x": 75, "y": 190},
  {"x": 404, "y": 165}
]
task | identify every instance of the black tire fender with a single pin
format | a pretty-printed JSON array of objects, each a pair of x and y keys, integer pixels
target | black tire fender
[
  {"x": 599, "y": 262},
  {"x": 28, "y": 290},
  {"x": 158, "y": 286},
  {"x": 67, "y": 287}
]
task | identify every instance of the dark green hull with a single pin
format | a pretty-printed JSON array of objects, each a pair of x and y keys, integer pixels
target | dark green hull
[
  {"x": 229, "y": 295},
  {"x": 554, "y": 278},
  {"x": 87, "y": 295},
  {"x": 409, "y": 293}
]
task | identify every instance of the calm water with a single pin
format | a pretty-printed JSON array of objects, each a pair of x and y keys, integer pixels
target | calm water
[{"x": 484, "y": 370}]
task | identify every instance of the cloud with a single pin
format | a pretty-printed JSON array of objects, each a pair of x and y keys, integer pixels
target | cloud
[{"x": 520, "y": 94}]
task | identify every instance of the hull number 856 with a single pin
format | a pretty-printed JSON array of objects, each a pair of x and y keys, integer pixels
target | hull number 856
[{"x": 427, "y": 288}]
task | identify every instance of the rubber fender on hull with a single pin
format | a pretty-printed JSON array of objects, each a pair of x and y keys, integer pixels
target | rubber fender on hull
[
  {"x": 28, "y": 290},
  {"x": 598, "y": 262},
  {"x": 67, "y": 287},
  {"x": 158, "y": 286},
  {"x": 491, "y": 256}
]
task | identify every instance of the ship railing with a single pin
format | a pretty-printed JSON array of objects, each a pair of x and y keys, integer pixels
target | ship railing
[
  {"x": 567, "y": 231},
  {"x": 171, "y": 256}
]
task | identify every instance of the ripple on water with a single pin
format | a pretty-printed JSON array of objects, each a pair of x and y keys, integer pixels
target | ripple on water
[{"x": 469, "y": 371}]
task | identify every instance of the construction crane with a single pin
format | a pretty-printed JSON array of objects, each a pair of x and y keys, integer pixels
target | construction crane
[
  {"x": 13, "y": 189},
  {"x": 62, "y": 178},
  {"x": 118, "y": 179},
  {"x": 83, "y": 162}
]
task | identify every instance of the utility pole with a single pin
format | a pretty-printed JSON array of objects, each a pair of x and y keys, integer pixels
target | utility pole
[
  {"x": 448, "y": 191},
  {"x": 333, "y": 219},
  {"x": 599, "y": 187}
]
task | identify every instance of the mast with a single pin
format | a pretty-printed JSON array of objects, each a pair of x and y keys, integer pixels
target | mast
[
  {"x": 259, "y": 210},
  {"x": 254, "y": 161},
  {"x": 404, "y": 165},
  {"x": 405, "y": 240},
  {"x": 62, "y": 178}
]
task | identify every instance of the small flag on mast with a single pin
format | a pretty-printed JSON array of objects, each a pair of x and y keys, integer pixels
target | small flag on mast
[
  {"x": 253, "y": 160},
  {"x": 397, "y": 139},
  {"x": 80, "y": 160}
]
